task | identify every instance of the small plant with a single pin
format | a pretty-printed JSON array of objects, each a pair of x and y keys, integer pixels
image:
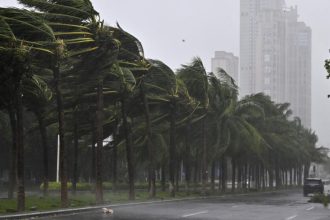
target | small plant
[{"x": 321, "y": 198}]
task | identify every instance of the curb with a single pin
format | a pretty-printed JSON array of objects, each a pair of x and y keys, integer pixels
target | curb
[{"x": 92, "y": 208}]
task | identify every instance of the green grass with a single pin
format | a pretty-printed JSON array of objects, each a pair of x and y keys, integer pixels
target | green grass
[
  {"x": 87, "y": 198},
  {"x": 54, "y": 186},
  {"x": 35, "y": 203},
  {"x": 49, "y": 203}
]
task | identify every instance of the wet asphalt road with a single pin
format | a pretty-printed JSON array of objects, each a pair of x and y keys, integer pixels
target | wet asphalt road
[{"x": 270, "y": 206}]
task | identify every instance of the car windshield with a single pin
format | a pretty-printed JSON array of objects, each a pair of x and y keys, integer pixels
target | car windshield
[{"x": 312, "y": 182}]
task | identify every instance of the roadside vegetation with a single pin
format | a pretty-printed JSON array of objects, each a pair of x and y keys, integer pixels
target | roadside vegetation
[
  {"x": 86, "y": 198},
  {"x": 53, "y": 201},
  {"x": 123, "y": 119},
  {"x": 321, "y": 198}
]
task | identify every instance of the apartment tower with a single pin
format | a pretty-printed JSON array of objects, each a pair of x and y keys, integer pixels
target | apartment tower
[
  {"x": 227, "y": 61},
  {"x": 275, "y": 55}
]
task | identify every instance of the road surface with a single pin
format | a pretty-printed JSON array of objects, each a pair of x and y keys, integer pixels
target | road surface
[{"x": 268, "y": 206}]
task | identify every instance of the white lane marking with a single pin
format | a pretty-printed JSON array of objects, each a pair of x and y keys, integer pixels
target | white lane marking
[
  {"x": 234, "y": 206},
  {"x": 292, "y": 217},
  {"x": 310, "y": 208},
  {"x": 196, "y": 213}
]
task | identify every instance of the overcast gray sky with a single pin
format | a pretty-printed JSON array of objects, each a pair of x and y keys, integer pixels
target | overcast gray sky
[{"x": 209, "y": 25}]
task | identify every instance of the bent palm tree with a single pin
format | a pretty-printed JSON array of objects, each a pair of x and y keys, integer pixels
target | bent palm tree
[
  {"x": 195, "y": 78},
  {"x": 68, "y": 36},
  {"x": 37, "y": 97},
  {"x": 21, "y": 33}
]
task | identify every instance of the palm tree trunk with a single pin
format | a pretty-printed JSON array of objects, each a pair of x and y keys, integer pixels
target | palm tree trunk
[
  {"x": 177, "y": 175},
  {"x": 263, "y": 177},
  {"x": 300, "y": 175},
  {"x": 172, "y": 164},
  {"x": 233, "y": 174},
  {"x": 267, "y": 177},
  {"x": 220, "y": 176},
  {"x": 44, "y": 139},
  {"x": 250, "y": 176},
  {"x": 306, "y": 170},
  {"x": 213, "y": 176},
  {"x": 204, "y": 162},
  {"x": 187, "y": 159},
  {"x": 13, "y": 164},
  {"x": 93, "y": 154},
  {"x": 20, "y": 151},
  {"x": 114, "y": 166},
  {"x": 277, "y": 175},
  {"x": 99, "y": 140},
  {"x": 152, "y": 179},
  {"x": 290, "y": 176},
  {"x": 239, "y": 175},
  {"x": 196, "y": 173},
  {"x": 163, "y": 177},
  {"x": 245, "y": 176},
  {"x": 61, "y": 127},
  {"x": 271, "y": 171},
  {"x": 75, "y": 154},
  {"x": 224, "y": 176},
  {"x": 257, "y": 170},
  {"x": 129, "y": 153},
  {"x": 152, "y": 190},
  {"x": 254, "y": 176}
]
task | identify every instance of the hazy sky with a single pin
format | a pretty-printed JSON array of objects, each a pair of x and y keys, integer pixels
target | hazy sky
[{"x": 209, "y": 25}]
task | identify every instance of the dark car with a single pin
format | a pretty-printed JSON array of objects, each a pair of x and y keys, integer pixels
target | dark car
[{"x": 313, "y": 185}]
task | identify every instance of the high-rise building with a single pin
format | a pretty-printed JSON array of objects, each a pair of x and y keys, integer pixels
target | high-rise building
[
  {"x": 275, "y": 55},
  {"x": 228, "y": 62},
  {"x": 298, "y": 66}
]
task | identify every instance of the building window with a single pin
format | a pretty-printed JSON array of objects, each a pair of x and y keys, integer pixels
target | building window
[
  {"x": 267, "y": 58},
  {"x": 267, "y": 81}
]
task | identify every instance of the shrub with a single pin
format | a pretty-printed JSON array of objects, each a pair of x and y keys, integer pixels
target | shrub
[
  {"x": 321, "y": 198},
  {"x": 54, "y": 186}
]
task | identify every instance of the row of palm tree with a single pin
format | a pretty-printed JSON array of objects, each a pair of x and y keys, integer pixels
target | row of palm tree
[{"x": 92, "y": 81}]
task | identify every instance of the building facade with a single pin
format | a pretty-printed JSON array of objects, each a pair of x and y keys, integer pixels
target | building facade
[
  {"x": 275, "y": 55},
  {"x": 228, "y": 62},
  {"x": 298, "y": 67}
]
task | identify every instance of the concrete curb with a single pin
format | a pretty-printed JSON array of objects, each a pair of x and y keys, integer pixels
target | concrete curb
[{"x": 93, "y": 208}]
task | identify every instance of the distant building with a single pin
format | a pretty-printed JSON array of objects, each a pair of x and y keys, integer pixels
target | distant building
[
  {"x": 298, "y": 66},
  {"x": 275, "y": 55},
  {"x": 226, "y": 61}
]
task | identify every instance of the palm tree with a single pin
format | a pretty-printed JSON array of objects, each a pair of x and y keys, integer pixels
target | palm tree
[
  {"x": 222, "y": 94},
  {"x": 166, "y": 96},
  {"x": 7, "y": 105},
  {"x": 37, "y": 97},
  {"x": 244, "y": 137},
  {"x": 156, "y": 89},
  {"x": 20, "y": 32},
  {"x": 129, "y": 69},
  {"x": 195, "y": 77},
  {"x": 118, "y": 57},
  {"x": 70, "y": 16},
  {"x": 149, "y": 144}
]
